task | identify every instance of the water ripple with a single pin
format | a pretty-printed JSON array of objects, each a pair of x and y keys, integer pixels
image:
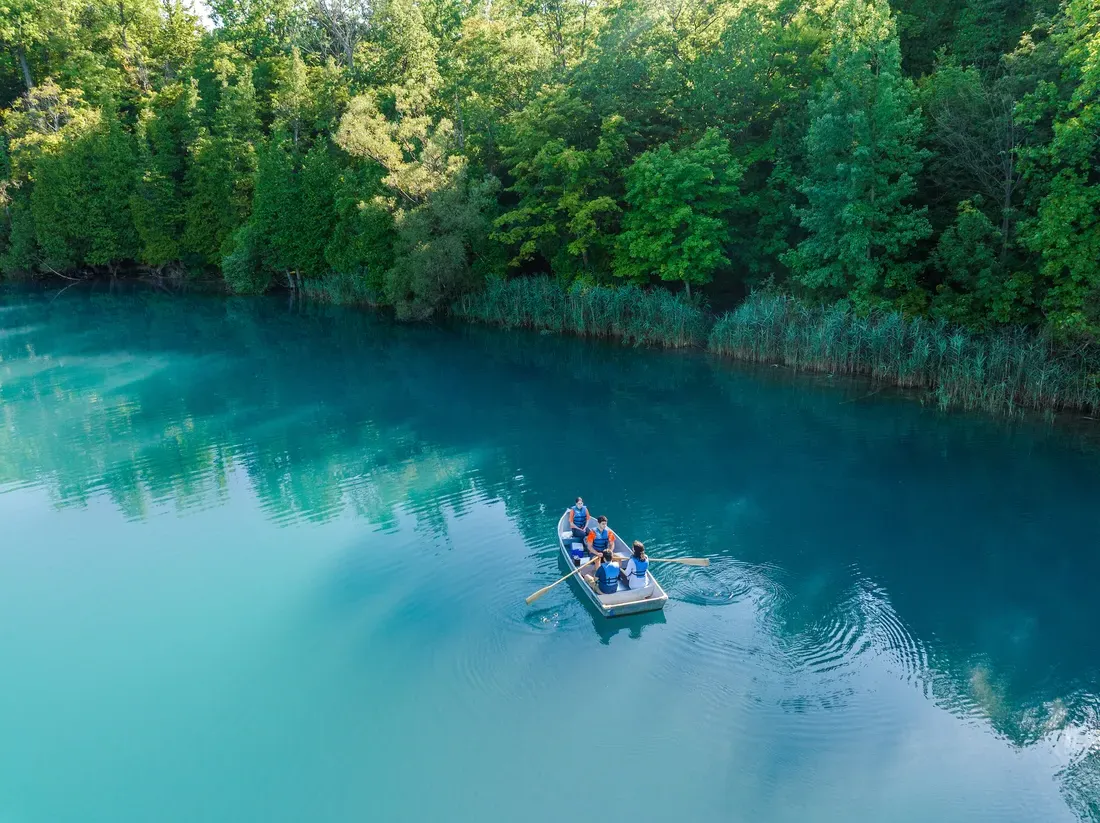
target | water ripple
[{"x": 726, "y": 581}]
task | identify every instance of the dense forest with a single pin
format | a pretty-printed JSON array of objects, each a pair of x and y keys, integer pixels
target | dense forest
[{"x": 937, "y": 159}]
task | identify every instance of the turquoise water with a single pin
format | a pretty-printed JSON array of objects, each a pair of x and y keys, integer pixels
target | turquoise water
[{"x": 266, "y": 562}]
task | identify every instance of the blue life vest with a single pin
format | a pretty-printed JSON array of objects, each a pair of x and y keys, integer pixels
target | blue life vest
[
  {"x": 640, "y": 568},
  {"x": 607, "y": 576},
  {"x": 601, "y": 539},
  {"x": 580, "y": 517}
]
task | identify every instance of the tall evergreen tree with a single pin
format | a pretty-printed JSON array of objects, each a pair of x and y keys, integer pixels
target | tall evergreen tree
[
  {"x": 862, "y": 160},
  {"x": 82, "y": 194},
  {"x": 219, "y": 180},
  {"x": 166, "y": 129}
]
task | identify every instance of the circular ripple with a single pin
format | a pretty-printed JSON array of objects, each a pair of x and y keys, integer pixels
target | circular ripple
[{"x": 724, "y": 582}]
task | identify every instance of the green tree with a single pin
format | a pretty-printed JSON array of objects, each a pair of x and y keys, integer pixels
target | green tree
[
  {"x": 438, "y": 245},
  {"x": 1062, "y": 171},
  {"x": 219, "y": 178},
  {"x": 977, "y": 290},
  {"x": 166, "y": 130},
  {"x": 862, "y": 160},
  {"x": 676, "y": 226},
  {"x": 83, "y": 186},
  {"x": 977, "y": 140},
  {"x": 293, "y": 212},
  {"x": 567, "y": 169},
  {"x": 291, "y": 102},
  {"x": 441, "y": 215},
  {"x": 498, "y": 67},
  {"x": 361, "y": 244}
]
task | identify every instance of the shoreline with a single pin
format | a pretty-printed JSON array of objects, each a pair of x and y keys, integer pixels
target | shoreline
[{"x": 1009, "y": 374}]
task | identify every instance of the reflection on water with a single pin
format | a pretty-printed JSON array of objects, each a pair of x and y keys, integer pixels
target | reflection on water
[{"x": 847, "y": 536}]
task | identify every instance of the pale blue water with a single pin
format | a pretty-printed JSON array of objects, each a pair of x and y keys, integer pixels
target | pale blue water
[{"x": 268, "y": 563}]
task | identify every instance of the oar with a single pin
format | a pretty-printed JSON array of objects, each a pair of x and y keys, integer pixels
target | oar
[
  {"x": 544, "y": 590},
  {"x": 687, "y": 561}
]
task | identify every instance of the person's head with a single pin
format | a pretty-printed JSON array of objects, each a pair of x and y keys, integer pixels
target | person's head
[
  {"x": 580, "y": 503},
  {"x": 608, "y": 556},
  {"x": 602, "y": 521},
  {"x": 639, "y": 549}
]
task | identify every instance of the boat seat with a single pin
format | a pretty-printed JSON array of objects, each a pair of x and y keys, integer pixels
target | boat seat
[{"x": 625, "y": 595}]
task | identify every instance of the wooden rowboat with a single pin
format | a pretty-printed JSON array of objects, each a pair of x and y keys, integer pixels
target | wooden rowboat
[{"x": 625, "y": 601}]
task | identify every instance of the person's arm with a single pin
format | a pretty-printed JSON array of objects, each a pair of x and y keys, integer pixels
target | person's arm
[{"x": 624, "y": 574}]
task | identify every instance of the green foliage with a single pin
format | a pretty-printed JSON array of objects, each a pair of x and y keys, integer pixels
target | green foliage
[
  {"x": 219, "y": 180},
  {"x": 81, "y": 196},
  {"x": 166, "y": 129},
  {"x": 435, "y": 246},
  {"x": 568, "y": 175},
  {"x": 1065, "y": 229},
  {"x": 293, "y": 212},
  {"x": 243, "y": 268},
  {"x": 676, "y": 227},
  {"x": 352, "y": 151},
  {"x": 20, "y": 251},
  {"x": 862, "y": 160},
  {"x": 976, "y": 290},
  {"x": 361, "y": 247}
]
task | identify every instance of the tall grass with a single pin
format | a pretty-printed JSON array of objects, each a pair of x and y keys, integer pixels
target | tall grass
[
  {"x": 341, "y": 290},
  {"x": 642, "y": 318},
  {"x": 1000, "y": 373}
]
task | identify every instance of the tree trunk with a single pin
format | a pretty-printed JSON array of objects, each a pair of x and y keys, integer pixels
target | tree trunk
[
  {"x": 458, "y": 118},
  {"x": 28, "y": 81},
  {"x": 687, "y": 289},
  {"x": 1006, "y": 212}
]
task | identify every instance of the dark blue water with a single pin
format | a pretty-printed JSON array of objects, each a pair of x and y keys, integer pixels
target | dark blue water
[{"x": 268, "y": 562}]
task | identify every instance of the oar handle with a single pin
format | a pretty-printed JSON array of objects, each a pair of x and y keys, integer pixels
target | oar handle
[{"x": 545, "y": 589}]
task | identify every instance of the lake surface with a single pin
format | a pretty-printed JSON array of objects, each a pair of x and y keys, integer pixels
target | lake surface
[{"x": 266, "y": 562}]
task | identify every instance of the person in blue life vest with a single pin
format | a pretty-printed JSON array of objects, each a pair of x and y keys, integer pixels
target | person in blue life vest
[
  {"x": 601, "y": 537},
  {"x": 636, "y": 567},
  {"x": 578, "y": 524},
  {"x": 608, "y": 574}
]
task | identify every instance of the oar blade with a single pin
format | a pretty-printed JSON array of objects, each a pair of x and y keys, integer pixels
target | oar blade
[
  {"x": 545, "y": 589},
  {"x": 538, "y": 594}
]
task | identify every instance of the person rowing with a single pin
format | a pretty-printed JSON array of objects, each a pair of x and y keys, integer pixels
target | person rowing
[
  {"x": 608, "y": 574},
  {"x": 601, "y": 537},
  {"x": 636, "y": 567}
]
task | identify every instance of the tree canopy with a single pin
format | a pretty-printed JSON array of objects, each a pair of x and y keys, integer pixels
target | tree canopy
[{"x": 941, "y": 160}]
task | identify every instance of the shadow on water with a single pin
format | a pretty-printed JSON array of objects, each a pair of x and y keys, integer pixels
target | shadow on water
[{"x": 959, "y": 550}]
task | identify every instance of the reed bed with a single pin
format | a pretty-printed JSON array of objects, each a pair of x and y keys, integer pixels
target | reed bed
[
  {"x": 628, "y": 313},
  {"x": 340, "y": 290},
  {"x": 1001, "y": 373}
]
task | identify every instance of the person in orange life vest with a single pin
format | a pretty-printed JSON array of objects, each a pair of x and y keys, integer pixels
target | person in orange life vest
[
  {"x": 601, "y": 537},
  {"x": 608, "y": 574},
  {"x": 578, "y": 524},
  {"x": 636, "y": 567}
]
